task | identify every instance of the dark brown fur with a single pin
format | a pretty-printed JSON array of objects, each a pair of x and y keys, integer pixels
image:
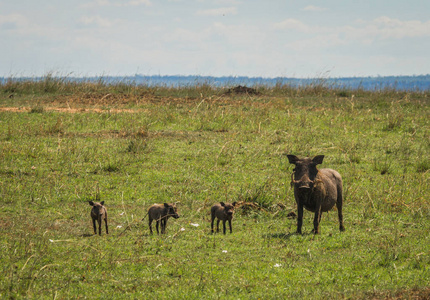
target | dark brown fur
[
  {"x": 223, "y": 212},
  {"x": 160, "y": 213},
  {"x": 316, "y": 190},
  {"x": 99, "y": 213}
]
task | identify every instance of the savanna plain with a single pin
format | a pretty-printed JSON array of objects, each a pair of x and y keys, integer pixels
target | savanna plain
[{"x": 65, "y": 143}]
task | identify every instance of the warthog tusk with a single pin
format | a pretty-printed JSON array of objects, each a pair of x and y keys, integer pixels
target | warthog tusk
[{"x": 311, "y": 182}]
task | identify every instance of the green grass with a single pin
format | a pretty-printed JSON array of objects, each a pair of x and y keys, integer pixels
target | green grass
[{"x": 197, "y": 147}]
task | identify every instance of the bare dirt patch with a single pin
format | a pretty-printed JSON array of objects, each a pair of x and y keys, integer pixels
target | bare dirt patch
[
  {"x": 73, "y": 110},
  {"x": 119, "y": 103},
  {"x": 416, "y": 294}
]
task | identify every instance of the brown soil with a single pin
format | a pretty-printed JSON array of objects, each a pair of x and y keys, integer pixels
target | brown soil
[{"x": 73, "y": 110}]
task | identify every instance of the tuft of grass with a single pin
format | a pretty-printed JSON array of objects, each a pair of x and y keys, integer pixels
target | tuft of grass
[
  {"x": 37, "y": 109},
  {"x": 383, "y": 165},
  {"x": 137, "y": 146},
  {"x": 423, "y": 166},
  {"x": 259, "y": 195},
  {"x": 394, "y": 122},
  {"x": 111, "y": 167},
  {"x": 343, "y": 93}
]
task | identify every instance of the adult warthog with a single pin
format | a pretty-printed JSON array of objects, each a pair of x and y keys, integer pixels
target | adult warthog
[{"x": 316, "y": 190}]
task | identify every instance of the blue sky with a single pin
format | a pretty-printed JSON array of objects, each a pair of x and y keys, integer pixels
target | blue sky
[{"x": 334, "y": 38}]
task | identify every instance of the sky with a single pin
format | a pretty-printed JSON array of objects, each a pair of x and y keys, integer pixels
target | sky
[{"x": 272, "y": 38}]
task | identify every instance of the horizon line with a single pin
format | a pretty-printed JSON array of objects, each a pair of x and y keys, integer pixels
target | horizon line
[{"x": 70, "y": 75}]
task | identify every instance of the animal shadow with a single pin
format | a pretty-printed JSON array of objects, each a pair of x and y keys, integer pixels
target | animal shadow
[
  {"x": 283, "y": 236},
  {"x": 87, "y": 235}
]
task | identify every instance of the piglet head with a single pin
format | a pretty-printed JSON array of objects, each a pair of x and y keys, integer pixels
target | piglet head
[
  {"x": 228, "y": 208},
  {"x": 172, "y": 210},
  {"x": 97, "y": 207}
]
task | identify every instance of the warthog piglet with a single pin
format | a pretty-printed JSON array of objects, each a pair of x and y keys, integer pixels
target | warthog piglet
[
  {"x": 160, "y": 213},
  {"x": 223, "y": 212},
  {"x": 99, "y": 213}
]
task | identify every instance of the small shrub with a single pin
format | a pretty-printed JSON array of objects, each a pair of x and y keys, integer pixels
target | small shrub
[
  {"x": 355, "y": 158},
  {"x": 394, "y": 122},
  {"x": 111, "y": 167},
  {"x": 423, "y": 166},
  {"x": 136, "y": 146},
  {"x": 10, "y": 87},
  {"x": 343, "y": 93},
  {"x": 383, "y": 167},
  {"x": 37, "y": 110},
  {"x": 259, "y": 195},
  {"x": 56, "y": 128}
]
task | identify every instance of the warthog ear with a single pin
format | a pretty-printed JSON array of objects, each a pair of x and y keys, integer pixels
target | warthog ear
[
  {"x": 102, "y": 203},
  {"x": 166, "y": 205},
  {"x": 222, "y": 203},
  {"x": 91, "y": 203},
  {"x": 318, "y": 159},
  {"x": 292, "y": 159}
]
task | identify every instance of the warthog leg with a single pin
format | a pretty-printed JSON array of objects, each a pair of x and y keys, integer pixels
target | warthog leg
[
  {"x": 340, "y": 215},
  {"x": 94, "y": 226},
  {"x": 317, "y": 219},
  {"x": 107, "y": 231},
  {"x": 299, "y": 218}
]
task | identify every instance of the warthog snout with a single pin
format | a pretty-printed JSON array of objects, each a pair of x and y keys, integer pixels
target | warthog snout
[
  {"x": 305, "y": 185},
  {"x": 316, "y": 190},
  {"x": 303, "y": 181}
]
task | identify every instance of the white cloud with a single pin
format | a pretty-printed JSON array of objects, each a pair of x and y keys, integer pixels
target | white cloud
[
  {"x": 181, "y": 36},
  {"x": 218, "y": 11},
  {"x": 315, "y": 44},
  {"x": 294, "y": 24},
  {"x": 97, "y": 3},
  {"x": 238, "y": 37},
  {"x": 360, "y": 32},
  {"x": 387, "y": 28},
  {"x": 228, "y": 2},
  {"x": 314, "y": 8},
  {"x": 17, "y": 25},
  {"x": 12, "y": 21},
  {"x": 96, "y": 20},
  {"x": 139, "y": 2}
]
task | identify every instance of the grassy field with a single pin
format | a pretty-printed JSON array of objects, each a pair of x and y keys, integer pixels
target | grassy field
[{"x": 63, "y": 144}]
